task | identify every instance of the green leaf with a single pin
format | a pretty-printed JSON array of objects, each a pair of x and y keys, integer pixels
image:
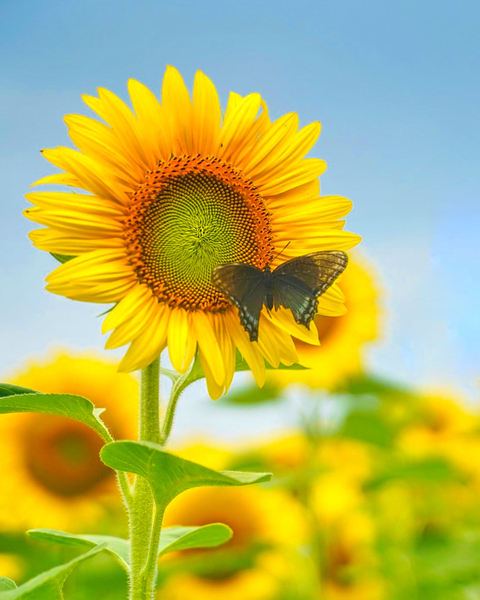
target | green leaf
[
  {"x": 116, "y": 546},
  {"x": 431, "y": 469},
  {"x": 6, "y": 584},
  {"x": 62, "y": 258},
  {"x": 167, "y": 474},
  {"x": 371, "y": 385},
  {"x": 242, "y": 365},
  {"x": 48, "y": 585},
  {"x": 7, "y": 389},
  {"x": 65, "y": 405},
  {"x": 252, "y": 394},
  {"x": 367, "y": 427},
  {"x": 172, "y": 539},
  {"x": 187, "y": 538}
]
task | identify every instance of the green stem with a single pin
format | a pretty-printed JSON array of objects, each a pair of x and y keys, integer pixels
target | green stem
[
  {"x": 177, "y": 389},
  {"x": 144, "y": 523}
]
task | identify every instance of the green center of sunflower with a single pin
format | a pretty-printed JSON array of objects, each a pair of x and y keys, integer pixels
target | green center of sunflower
[
  {"x": 190, "y": 215},
  {"x": 62, "y": 455}
]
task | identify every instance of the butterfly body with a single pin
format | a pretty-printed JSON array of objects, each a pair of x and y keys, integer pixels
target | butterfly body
[{"x": 296, "y": 285}]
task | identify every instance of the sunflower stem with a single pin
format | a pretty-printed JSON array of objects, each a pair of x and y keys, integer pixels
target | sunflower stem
[
  {"x": 145, "y": 524},
  {"x": 177, "y": 389}
]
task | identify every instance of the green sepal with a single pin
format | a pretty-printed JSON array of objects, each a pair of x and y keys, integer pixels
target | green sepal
[
  {"x": 62, "y": 258},
  {"x": 167, "y": 474},
  {"x": 65, "y": 405},
  {"x": 48, "y": 585}
]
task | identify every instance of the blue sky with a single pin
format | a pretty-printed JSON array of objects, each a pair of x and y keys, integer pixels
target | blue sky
[{"x": 395, "y": 86}]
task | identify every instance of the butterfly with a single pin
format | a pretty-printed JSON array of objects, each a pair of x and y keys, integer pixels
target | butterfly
[{"x": 296, "y": 284}]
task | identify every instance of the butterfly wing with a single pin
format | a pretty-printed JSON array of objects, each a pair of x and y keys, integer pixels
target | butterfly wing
[
  {"x": 244, "y": 286},
  {"x": 299, "y": 282}
]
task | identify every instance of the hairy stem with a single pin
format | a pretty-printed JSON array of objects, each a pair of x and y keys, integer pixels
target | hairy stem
[
  {"x": 144, "y": 537},
  {"x": 177, "y": 390}
]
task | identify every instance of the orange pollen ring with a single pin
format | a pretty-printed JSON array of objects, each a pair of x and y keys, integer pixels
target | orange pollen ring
[{"x": 190, "y": 215}]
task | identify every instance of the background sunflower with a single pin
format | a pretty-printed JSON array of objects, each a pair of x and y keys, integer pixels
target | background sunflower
[{"x": 53, "y": 476}]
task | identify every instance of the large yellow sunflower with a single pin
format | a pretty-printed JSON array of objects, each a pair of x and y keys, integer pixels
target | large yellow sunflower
[
  {"x": 52, "y": 475},
  {"x": 173, "y": 190},
  {"x": 267, "y": 519},
  {"x": 342, "y": 337}
]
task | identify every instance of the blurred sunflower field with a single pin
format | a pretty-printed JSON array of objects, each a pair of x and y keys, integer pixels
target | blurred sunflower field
[{"x": 375, "y": 492}]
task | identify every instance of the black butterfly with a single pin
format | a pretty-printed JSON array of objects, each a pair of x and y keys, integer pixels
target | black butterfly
[{"x": 296, "y": 284}]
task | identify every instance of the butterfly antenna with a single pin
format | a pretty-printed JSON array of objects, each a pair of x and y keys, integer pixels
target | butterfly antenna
[{"x": 281, "y": 251}]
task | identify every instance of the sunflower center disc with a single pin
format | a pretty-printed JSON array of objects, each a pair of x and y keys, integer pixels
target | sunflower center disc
[
  {"x": 191, "y": 215},
  {"x": 62, "y": 455}
]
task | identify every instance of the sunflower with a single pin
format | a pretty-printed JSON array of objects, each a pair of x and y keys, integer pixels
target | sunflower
[
  {"x": 172, "y": 191},
  {"x": 266, "y": 524},
  {"x": 351, "y": 570},
  {"x": 342, "y": 338},
  {"x": 52, "y": 475}
]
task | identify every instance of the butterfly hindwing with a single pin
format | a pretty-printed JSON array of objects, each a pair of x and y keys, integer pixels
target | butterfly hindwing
[
  {"x": 299, "y": 282},
  {"x": 296, "y": 285},
  {"x": 244, "y": 286}
]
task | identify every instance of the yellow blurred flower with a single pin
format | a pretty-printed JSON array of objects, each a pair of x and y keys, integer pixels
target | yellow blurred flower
[
  {"x": 268, "y": 520},
  {"x": 351, "y": 569},
  {"x": 438, "y": 422},
  {"x": 52, "y": 475},
  {"x": 342, "y": 338},
  {"x": 338, "y": 488},
  {"x": 175, "y": 190},
  {"x": 11, "y": 566}
]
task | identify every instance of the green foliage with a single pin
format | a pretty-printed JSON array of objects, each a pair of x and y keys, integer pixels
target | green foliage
[
  {"x": 7, "y": 389},
  {"x": 172, "y": 540},
  {"x": 48, "y": 585},
  {"x": 65, "y": 405},
  {"x": 367, "y": 427},
  {"x": 116, "y": 546},
  {"x": 167, "y": 474},
  {"x": 188, "y": 538},
  {"x": 252, "y": 394},
  {"x": 430, "y": 469},
  {"x": 6, "y": 584}
]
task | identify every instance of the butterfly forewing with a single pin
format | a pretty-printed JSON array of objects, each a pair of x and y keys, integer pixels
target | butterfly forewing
[
  {"x": 296, "y": 285},
  {"x": 299, "y": 282},
  {"x": 244, "y": 286}
]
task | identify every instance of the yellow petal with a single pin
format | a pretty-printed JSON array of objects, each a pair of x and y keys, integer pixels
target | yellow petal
[
  {"x": 283, "y": 318},
  {"x": 307, "y": 170},
  {"x": 249, "y": 350},
  {"x": 215, "y": 390},
  {"x": 132, "y": 327},
  {"x": 149, "y": 344},
  {"x": 206, "y": 116},
  {"x": 237, "y": 125},
  {"x": 182, "y": 343},
  {"x": 127, "y": 307},
  {"x": 59, "y": 179},
  {"x": 117, "y": 114},
  {"x": 270, "y": 145},
  {"x": 178, "y": 109},
  {"x": 209, "y": 346},
  {"x": 151, "y": 120}
]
